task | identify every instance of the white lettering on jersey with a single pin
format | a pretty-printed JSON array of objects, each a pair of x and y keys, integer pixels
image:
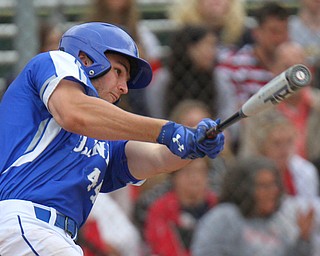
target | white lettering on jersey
[
  {"x": 96, "y": 190},
  {"x": 98, "y": 148},
  {"x": 82, "y": 144},
  {"x": 93, "y": 177}
]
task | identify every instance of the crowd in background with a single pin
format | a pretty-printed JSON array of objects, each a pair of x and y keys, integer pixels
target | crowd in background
[{"x": 261, "y": 195}]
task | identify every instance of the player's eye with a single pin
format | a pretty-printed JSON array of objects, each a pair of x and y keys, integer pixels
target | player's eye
[{"x": 118, "y": 71}]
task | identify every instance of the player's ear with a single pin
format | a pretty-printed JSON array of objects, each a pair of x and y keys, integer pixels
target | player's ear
[{"x": 85, "y": 59}]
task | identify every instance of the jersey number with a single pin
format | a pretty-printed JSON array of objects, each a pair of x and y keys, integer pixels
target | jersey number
[{"x": 93, "y": 177}]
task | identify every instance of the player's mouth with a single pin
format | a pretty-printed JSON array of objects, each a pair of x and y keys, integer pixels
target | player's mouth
[{"x": 114, "y": 97}]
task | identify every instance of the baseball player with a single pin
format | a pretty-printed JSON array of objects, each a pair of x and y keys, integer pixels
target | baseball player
[{"x": 63, "y": 140}]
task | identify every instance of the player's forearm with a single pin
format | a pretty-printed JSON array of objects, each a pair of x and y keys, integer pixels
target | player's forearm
[
  {"x": 148, "y": 159},
  {"x": 96, "y": 118},
  {"x": 103, "y": 120}
]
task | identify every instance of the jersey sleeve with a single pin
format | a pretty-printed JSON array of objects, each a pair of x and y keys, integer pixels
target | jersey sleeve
[
  {"x": 118, "y": 174},
  {"x": 48, "y": 69}
]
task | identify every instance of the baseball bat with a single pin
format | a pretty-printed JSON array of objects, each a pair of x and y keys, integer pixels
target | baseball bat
[{"x": 275, "y": 91}]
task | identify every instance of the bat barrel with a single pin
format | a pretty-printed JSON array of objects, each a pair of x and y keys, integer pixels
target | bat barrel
[
  {"x": 274, "y": 92},
  {"x": 298, "y": 76}
]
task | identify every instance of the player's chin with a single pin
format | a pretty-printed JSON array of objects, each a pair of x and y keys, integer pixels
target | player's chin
[
  {"x": 114, "y": 98},
  {"x": 110, "y": 98}
]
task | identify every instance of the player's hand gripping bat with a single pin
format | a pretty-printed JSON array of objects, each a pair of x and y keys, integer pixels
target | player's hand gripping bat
[{"x": 275, "y": 91}]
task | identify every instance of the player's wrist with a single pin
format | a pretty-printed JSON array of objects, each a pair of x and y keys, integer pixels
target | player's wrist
[
  {"x": 185, "y": 142},
  {"x": 166, "y": 133},
  {"x": 180, "y": 140}
]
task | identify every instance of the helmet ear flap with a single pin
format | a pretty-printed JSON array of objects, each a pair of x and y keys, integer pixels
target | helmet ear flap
[
  {"x": 95, "y": 70},
  {"x": 74, "y": 45}
]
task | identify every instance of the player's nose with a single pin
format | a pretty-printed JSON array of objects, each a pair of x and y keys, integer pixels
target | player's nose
[{"x": 123, "y": 87}]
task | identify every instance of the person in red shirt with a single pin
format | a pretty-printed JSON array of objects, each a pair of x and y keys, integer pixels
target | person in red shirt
[
  {"x": 92, "y": 242},
  {"x": 171, "y": 219}
]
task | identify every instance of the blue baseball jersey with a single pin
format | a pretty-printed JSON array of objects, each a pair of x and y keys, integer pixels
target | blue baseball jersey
[{"x": 39, "y": 160}]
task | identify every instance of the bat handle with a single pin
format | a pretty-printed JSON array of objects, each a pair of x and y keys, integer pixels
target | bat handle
[
  {"x": 214, "y": 131},
  {"x": 211, "y": 134}
]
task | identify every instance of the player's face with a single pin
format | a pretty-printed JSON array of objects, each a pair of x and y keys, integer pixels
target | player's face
[{"x": 113, "y": 84}]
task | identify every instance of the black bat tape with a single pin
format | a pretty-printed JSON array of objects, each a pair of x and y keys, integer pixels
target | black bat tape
[
  {"x": 213, "y": 132},
  {"x": 275, "y": 91}
]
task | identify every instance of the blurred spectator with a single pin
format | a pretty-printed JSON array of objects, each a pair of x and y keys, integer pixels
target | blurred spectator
[
  {"x": 253, "y": 218},
  {"x": 304, "y": 28},
  {"x": 92, "y": 244},
  {"x": 226, "y": 18},
  {"x": 188, "y": 74},
  {"x": 125, "y": 13},
  {"x": 245, "y": 72},
  {"x": 286, "y": 55},
  {"x": 151, "y": 191},
  {"x": 109, "y": 231},
  {"x": 171, "y": 219},
  {"x": 273, "y": 135},
  {"x": 187, "y": 112},
  {"x": 190, "y": 112},
  {"x": 303, "y": 107},
  {"x": 49, "y": 36}
]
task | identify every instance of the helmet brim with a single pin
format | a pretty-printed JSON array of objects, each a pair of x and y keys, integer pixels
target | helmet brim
[{"x": 141, "y": 73}]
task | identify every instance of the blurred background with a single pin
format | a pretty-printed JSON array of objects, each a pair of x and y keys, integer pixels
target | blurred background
[
  {"x": 20, "y": 21},
  {"x": 206, "y": 56}
]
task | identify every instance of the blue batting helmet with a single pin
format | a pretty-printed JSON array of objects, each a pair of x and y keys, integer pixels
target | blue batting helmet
[{"x": 95, "y": 39}]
